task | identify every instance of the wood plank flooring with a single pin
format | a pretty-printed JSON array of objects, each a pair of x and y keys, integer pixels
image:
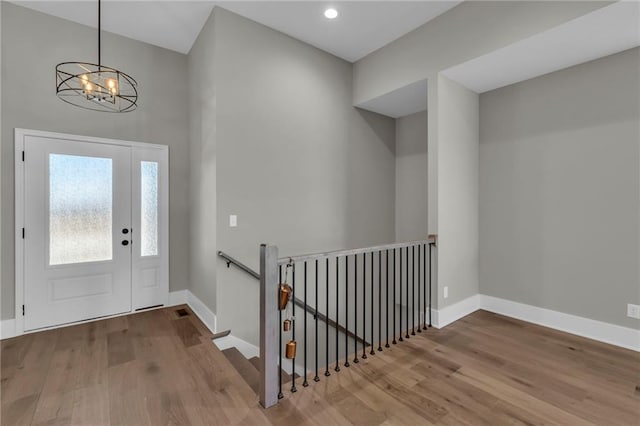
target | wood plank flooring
[
  {"x": 159, "y": 368},
  {"x": 150, "y": 368}
]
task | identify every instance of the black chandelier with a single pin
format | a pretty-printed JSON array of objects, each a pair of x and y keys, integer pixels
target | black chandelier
[{"x": 95, "y": 86}]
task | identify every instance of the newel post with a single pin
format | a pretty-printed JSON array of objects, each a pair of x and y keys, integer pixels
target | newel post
[{"x": 269, "y": 325}]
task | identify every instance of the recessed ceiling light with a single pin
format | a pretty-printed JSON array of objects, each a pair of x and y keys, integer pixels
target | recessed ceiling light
[{"x": 331, "y": 13}]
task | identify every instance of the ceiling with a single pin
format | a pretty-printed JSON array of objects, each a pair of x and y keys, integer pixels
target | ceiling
[
  {"x": 605, "y": 31},
  {"x": 406, "y": 100},
  {"x": 361, "y": 27}
]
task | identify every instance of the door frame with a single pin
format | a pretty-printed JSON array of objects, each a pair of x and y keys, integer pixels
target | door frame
[{"x": 19, "y": 200}]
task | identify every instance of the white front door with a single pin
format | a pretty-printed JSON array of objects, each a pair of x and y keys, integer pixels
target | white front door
[{"x": 95, "y": 216}]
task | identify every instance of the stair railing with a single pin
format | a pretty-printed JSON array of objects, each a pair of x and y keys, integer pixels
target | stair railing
[
  {"x": 376, "y": 275},
  {"x": 309, "y": 309}
]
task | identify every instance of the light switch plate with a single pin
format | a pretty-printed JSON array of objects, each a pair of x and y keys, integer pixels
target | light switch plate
[
  {"x": 633, "y": 311},
  {"x": 233, "y": 221},
  {"x": 445, "y": 292}
]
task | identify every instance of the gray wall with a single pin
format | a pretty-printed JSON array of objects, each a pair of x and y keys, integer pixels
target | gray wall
[
  {"x": 458, "y": 117},
  {"x": 1, "y": 209},
  {"x": 32, "y": 45},
  {"x": 560, "y": 185},
  {"x": 465, "y": 32},
  {"x": 202, "y": 184},
  {"x": 294, "y": 160},
  {"x": 411, "y": 177}
]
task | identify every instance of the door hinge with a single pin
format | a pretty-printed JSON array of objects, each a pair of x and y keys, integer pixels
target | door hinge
[
  {"x": 22, "y": 310},
  {"x": 23, "y": 233},
  {"x": 22, "y": 155}
]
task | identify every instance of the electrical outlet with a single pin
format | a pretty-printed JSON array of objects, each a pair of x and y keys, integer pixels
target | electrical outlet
[
  {"x": 633, "y": 311},
  {"x": 233, "y": 221},
  {"x": 445, "y": 292}
]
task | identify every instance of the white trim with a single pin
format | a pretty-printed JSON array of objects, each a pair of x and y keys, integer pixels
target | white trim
[
  {"x": 7, "y": 328},
  {"x": 246, "y": 349},
  {"x": 612, "y": 334},
  {"x": 19, "y": 138},
  {"x": 624, "y": 337},
  {"x": 19, "y": 135},
  {"x": 71, "y": 324},
  {"x": 180, "y": 297},
  {"x": 249, "y": 351},
  {"x": 443, "y": 317},
  {"x": 91, "y": 139},
  {"x": 202, "y": 311}
]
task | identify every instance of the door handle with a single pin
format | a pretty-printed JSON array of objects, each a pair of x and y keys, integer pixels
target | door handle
[
  {"x": 125, "y": 231},
  {"x": 125, "y": 242}
]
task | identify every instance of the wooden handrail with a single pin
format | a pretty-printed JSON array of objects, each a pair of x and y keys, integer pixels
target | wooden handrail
[{"x": 432, "y": 239}]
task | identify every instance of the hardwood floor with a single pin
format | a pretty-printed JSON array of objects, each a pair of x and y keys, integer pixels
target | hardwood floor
[
  {"x": 158, "y": 368},
  {"x": 485, "y": 369},
  {"x": 150, "y": 368}
]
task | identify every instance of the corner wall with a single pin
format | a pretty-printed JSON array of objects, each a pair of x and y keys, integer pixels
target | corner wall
[
  {"x": 202, "y": 163},
  {"x": 458, "y": 192},
  {"x": 293, "y": 159},
  {"x": 411, "y": 177},
  {"x": 560, "y": 190}
]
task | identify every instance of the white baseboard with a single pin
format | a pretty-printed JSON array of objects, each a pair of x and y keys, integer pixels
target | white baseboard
[
  {"x": 612, "y": 334},
  {"x": 443, "y": 317},
  {"x": 185, "y": 297},
  {"x": 202, "y": 311},
  {"x": 7, "y": 328},
  {"x": 624, "y": 337},
  {"x": 245, "y": 348},
  {"x": 249, "y": 351},
  {"x": 180, "y": 297}
]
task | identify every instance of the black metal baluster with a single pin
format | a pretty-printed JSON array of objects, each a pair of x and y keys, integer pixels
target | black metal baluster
[
  {"x": 380, "y": 300},
  {"x": 364, "y": 305},
  {"x": 372, "y": 291},
  {"x": 387, "y": 297},
  {"x": 419, "y": 281},
  {"x": 280, "y": 394},
  {"x": 326, "y": 323},
  {"x": 430, "y": 285},
  {"x": 305, "y": 383},
  {"x": 424, "y": 288},
  {"x": 413, "y": 290},
  {"x": 407, "y": 295},
  {"x": 316, "y": 378},
  {"x": 346, "y": 311},
  {"x": 400, "y": 339},
  {"x": 293, "y": 312},
  {"x": 355, "y": 309},
  {"x": 394, "y": 297},
  {"x": 337, "y": 313}
]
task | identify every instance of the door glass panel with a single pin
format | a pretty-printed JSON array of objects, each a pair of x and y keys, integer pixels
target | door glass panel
[
  {"x": 149, "y": 208},
  {"x": 80, "y": 209}
]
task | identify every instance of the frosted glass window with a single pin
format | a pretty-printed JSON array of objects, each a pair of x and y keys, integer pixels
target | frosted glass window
[
  {"x": 149, "y": 208},
  {"x": 80, "y": 209}
]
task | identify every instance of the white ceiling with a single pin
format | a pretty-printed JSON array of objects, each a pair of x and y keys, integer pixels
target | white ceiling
[
  {"x": 407, "y": 100},
  {"x": 603, "y": 32},
  {"x": 173, "y": 25},
  {"x": 361, "y": 27}
]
